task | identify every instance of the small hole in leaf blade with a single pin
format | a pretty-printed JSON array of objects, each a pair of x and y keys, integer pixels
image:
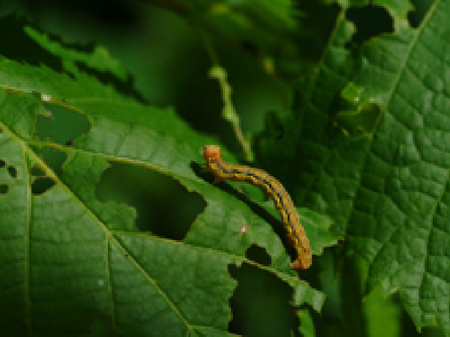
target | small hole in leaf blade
[
  {"x": 416, "y": 16},
  {"x": 12, "y": 171},
  {"x": 262, "y": 295},
  {"x": 164, "y": 207},
  {"x": 4, "y": 188},
  {"x": 36, "y": 171},
  {"x": 64, "y": 125},
  {"x": 41, "y": 185},
  {"x": 364, "y": 19},
  {"x": 258, "y": 254}
]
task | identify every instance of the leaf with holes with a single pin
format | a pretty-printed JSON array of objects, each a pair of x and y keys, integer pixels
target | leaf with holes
[
  {"x": 73, "y": 263},
  {"x": 387, "y": 187}
]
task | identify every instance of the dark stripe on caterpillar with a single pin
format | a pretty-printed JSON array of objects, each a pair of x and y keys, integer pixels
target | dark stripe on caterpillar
[{"x": 283, "y": 202}]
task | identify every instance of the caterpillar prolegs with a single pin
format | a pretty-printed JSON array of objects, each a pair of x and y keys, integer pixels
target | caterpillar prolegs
[{"x": 283, "y": 202}]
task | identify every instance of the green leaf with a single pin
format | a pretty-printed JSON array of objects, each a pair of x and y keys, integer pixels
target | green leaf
[
  {"x": 378, "y": 309},
  {"x": 357, "y": 117},
  {"x": 307, "y": 327},
  {"x": 99, "y": 59},
  {"x": 387, "y": 189},
  {"x": 73, "y": 261}
]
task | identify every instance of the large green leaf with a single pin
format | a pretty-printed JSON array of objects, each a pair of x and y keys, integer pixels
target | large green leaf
[
  {"x": 70, "y": 262},
  {"x": 385, "y": 185}
]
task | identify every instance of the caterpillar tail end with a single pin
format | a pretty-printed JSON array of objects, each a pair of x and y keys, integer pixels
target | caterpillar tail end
[{"x": 302, "y": 263}]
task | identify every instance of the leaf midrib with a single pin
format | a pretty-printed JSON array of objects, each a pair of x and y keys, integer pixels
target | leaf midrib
[{"x": 27, "y": 151}]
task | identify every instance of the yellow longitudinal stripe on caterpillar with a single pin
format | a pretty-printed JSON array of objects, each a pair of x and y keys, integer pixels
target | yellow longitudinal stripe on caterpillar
[{"x": 283, "y": 202}]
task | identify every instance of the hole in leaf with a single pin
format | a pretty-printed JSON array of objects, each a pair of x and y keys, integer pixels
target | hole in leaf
[
  {"x": 357, "y": 115},
  {"x": 41, "y": 182},
  {"x": 54, "y": 159},
  {"x": 360, "y": 121},
  {"x": 2, "y": 163},
  {"x": 370, "y": 21},
  {"x": 37, "y": 172},
  {"x": 4, "y": 189},
  {"x": 262, "y": 295},
  {"x": 64, "y": 125},
  {"x": 164, "y": 207},
  {"x": 41, "y": 185},
  {"x": 416, "y": 16},
  {"x": 258, "y": 254},
  {"x": 12, "y": 171}
]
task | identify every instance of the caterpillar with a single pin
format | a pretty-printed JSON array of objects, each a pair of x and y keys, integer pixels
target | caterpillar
[{"x": 283, "y": 202}]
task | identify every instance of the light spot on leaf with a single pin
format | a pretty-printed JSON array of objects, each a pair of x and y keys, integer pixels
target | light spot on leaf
[
  {"x": 243, "y": 230},
  {"x": 358, "y": 115}
]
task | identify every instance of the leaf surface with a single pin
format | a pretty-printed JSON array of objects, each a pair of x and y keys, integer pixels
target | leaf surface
[
  {"x": 73, "y": 260},
  {"x": 386, "y": 187}
]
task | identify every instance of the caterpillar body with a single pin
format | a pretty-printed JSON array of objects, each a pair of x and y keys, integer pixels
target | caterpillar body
[{"x": 283, "y": 202}]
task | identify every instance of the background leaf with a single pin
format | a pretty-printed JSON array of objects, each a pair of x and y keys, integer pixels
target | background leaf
[{"x": 393, "y": 203}]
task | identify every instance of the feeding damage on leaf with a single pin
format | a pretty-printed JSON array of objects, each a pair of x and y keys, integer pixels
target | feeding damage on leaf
[
  {"x": 283, "y": 202},
  {"x": 358, "y": 115},
  {"x": 7, "y": 173}
]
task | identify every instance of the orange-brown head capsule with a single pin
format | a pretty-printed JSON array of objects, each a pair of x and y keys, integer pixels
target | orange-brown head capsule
[{"x": 211, "y": 153}]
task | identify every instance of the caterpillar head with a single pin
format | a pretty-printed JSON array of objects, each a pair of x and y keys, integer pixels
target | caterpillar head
[{"x": 211, "y": 153}]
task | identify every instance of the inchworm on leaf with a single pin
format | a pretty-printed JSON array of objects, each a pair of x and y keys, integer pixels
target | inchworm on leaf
[{"x": 283, "y": 202}]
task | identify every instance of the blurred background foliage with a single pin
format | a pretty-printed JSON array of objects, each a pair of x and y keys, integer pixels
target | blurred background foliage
[{"x": 166, "y": 49}]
